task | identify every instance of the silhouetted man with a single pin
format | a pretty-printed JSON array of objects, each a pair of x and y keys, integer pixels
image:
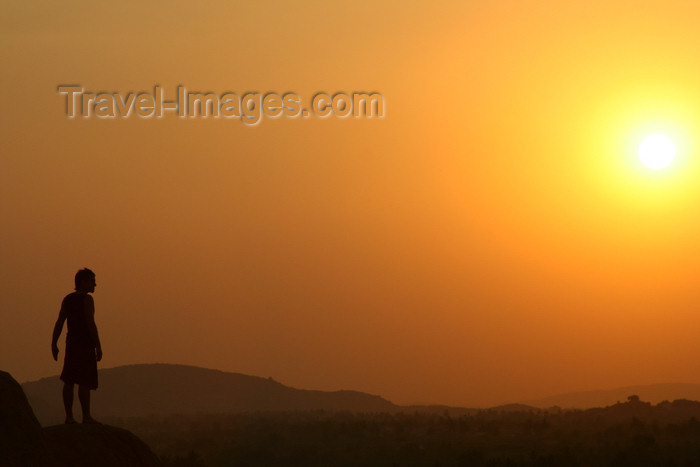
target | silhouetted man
[{"x": 83, "y": 349}]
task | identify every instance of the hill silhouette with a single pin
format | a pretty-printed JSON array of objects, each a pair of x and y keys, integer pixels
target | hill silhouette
[
  {"x": 654, "y": 393},
  {"x": 24, "y": 443},
  {"x": 163, "y": 389}
]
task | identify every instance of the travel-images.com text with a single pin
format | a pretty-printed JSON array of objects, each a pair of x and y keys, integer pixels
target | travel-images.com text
[{"x": 249, "y": 108}]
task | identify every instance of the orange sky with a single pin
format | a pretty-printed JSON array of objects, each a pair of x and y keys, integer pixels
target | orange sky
[{"x": 491, "y": 239}]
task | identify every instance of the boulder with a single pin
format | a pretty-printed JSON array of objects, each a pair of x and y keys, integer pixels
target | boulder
[
  {"x": 91, "y": 445},
  {"x": 24, "y": 443},
  {"x": 21, "y": 438}
]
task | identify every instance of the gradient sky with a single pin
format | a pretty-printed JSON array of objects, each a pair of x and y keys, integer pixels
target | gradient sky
[{"x": 491, "y": 239}]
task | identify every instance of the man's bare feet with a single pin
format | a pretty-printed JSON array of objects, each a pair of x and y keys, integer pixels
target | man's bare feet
[
  {"x": 90, "y": 421},
  {"x": 70, "y": 421}
]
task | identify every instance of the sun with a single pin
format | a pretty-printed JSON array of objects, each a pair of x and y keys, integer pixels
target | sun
[{"x": 657, "y": 151}]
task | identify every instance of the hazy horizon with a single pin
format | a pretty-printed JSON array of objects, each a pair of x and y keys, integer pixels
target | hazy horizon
[
  {"x": 492, "y": 237},
  {"x": 653, "y": 393}
]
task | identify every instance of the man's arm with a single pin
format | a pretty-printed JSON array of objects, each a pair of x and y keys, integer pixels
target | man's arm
[
  {"x": 58, "y": 327},
  {"x": 89, "y": 307}
]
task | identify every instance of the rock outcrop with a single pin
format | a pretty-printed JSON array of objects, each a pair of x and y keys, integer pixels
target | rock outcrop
[
  {"x": 21, "y": 439},
  {"x": 97, "y": 445},
  {"x": 24, "y": 443}
]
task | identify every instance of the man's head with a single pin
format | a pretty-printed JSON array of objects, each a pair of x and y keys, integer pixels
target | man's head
[{"x": 85, "y": 280}]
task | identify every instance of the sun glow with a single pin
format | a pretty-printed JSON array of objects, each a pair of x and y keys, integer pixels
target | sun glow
[{"x": 657, "y": 151}]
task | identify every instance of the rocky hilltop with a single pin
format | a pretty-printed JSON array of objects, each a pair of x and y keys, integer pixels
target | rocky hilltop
[{"x": 24, "y": 443}]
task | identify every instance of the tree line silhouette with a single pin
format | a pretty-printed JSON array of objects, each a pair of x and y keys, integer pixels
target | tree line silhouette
[{"x": 633, "y": 433}]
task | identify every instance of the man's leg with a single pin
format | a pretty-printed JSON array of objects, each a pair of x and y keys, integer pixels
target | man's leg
[
  {"x": 84, "y": 396},
  {"x": 68, "y": 402}
]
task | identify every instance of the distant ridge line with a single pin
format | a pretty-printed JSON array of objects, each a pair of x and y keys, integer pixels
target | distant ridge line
[
  {"x": 144, "y": 389},
  {"x": 170, "y": 389},
  {"x": 653, "y": 393}
]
